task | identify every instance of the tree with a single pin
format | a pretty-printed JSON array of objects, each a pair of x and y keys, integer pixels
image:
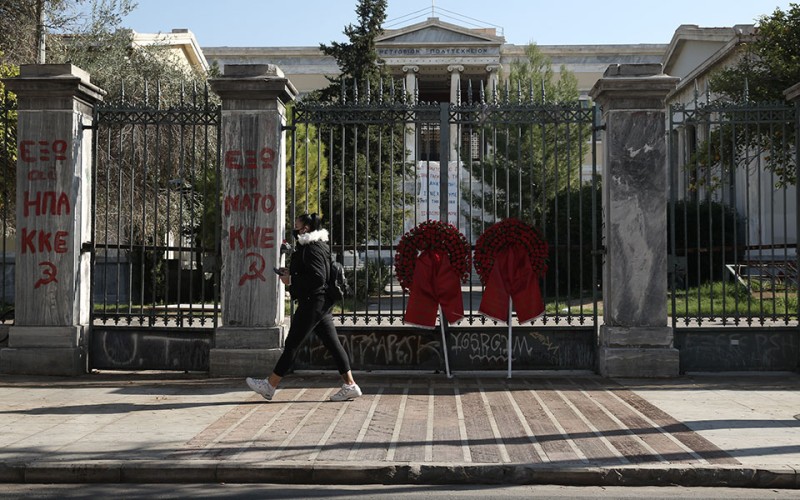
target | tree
[
  {"x": 767, "y": 66},
  {"x": 20, "y": 29},
  {"x": 528, "y": 163},
  {"x": 150, "y": 73},
  {"x": 765, "y": 69},
  {"x": 366, "y": 159},
  {"x": 358, "y": 58},
  {"x": 310, "y": 175},
  {"x": 88, "y": 34},
  {"x": 8, "y": 150}
]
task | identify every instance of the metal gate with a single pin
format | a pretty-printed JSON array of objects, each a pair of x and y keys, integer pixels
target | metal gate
[
  {"x": 378, "y": 162},
  {"x": 733, "y": 235},
  {"x": 155, "y": 226}
]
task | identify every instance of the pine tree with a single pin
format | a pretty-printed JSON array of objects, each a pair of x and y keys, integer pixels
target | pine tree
[{"x": 366, "y": 161}]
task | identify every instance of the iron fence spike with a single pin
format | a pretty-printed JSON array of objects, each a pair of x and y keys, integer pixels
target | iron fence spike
[{"x": 544, "y": 92}]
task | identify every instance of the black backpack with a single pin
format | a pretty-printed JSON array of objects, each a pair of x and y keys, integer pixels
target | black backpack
[{"x": 337, "y": 287}]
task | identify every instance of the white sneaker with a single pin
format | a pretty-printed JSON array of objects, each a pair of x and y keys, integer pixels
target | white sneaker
[
  {"x": 261, "y": 386},
  {"x": 347, "y": 392}
]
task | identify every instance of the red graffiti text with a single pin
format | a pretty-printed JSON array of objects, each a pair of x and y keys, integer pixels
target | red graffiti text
[
  {"x": 45, "y": 203},
  {"x": 249, "y": 203},
  {"x": 240, "y": 238},
  {"x": 35, "y": 151},
  {"x": 38, "y": 241},
  {"x": 249, "y": 158}
]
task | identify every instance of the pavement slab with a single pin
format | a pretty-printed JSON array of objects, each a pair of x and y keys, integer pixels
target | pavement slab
[{"x": 558, "y": 428}]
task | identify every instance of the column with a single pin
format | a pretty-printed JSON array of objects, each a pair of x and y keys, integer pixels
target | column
[
  {"x": 411, "y": 129},
  {"x": 455, "y": 71},
  {"x": 253, "y": 218},
  {"x": 635, "y": 340},
  {"x": 54, "y": 198},
  {"x": 448, "y": 185},
  {"x": 455, "y": 95},
  {"x": 492, "y": 71}
]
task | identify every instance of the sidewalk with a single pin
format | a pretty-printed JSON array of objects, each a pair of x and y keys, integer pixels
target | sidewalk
[{"x": 560, "y": 428}]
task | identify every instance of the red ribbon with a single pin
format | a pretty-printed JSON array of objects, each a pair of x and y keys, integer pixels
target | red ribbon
[
  {"x": 434, "y": 282},
  {"x": 512, "y": 277}
]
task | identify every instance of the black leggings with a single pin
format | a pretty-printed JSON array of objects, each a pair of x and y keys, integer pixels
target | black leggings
[{"x": 312, "y": 314}]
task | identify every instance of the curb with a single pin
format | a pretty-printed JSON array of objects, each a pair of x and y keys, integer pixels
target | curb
[{"x": 199, "y": 472}]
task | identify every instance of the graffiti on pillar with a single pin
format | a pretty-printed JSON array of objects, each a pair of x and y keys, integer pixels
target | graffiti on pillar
[
  {"x": 42, "y": 201},
  {"x": 49, "y": 273},
  {"x": 42, "y": 151},
  {"x": 255, "y": 270},
  {"x": 250, "y": 199}
]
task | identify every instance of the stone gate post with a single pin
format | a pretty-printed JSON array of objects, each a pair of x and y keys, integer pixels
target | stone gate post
[
  {"x": 635, "y": 340},
  {"x": 253, "y": 218},
  {"x": 53, "y": 203}
]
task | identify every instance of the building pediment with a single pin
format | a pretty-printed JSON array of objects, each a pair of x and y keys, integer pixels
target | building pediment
[
  {"x": 434, "y": 34},
  {"x": 434, "y": 31}
]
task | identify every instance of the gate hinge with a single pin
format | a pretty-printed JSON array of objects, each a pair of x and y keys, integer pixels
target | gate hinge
[
  {"x": 288, "y": 127},
  {"x": 86, "y": 246},
  {"x": 599, "y": 251},
  {"x": 599, "y": 127},
  {"x": 93, "y": 126}
]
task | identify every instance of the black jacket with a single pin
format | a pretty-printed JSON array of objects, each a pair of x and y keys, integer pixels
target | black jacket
[{"x": 310, "y": 265}]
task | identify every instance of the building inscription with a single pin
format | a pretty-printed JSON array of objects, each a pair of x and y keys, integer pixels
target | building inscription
[{"x": 439, "y": 51}]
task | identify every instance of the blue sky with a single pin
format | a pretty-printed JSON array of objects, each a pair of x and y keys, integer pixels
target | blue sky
[{"x": 246, "y": 23}]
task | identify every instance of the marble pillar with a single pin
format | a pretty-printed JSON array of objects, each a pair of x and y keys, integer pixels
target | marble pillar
[
  {"x": 253, "y": 218},
  {"x": 635, "y": 340},
  {"x": 54, "y": 200}
]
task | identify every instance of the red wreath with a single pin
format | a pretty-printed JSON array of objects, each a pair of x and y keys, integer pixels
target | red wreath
[
  {"x": 431, "y": 235},
  {"x": 431, "y": 262},
  {"x": 510, "y": 257},
  {"x": 502, "y": 235}
]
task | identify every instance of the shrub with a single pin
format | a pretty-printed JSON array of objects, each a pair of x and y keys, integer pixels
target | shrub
[
  {"x": 369, "y": 280},
  {"x": 706, "y": 235}
]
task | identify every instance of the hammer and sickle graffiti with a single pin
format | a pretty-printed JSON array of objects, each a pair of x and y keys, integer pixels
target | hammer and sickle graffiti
[
  {"x": 256, "y": 269},
  {"x": 49, "y": 273}
]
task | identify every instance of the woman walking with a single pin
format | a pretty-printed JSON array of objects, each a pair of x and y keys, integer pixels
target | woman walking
[{"x": 306, "y": 280}]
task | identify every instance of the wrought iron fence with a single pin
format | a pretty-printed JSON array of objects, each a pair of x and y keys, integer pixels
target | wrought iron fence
[
  {"x": 156, "y": 211},
  {"x": 8, "y": 170},
  {"x": 378, "y": 162},
  {"x": 733, "y": 214}
]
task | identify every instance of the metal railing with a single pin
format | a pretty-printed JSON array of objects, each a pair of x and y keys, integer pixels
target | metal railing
[
  {"x": 377, "y": 162},
  {"x": 733, "y": 214},
  {"x": 156, "y": 212}
]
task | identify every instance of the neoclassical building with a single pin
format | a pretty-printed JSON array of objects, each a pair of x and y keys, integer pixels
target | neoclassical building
[{"x": 433, "y": 56}]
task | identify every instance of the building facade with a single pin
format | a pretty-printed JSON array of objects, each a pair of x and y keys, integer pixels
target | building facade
[{"x": 435, "y": 57}]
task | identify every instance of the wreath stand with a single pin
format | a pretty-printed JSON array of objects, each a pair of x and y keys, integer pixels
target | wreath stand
[
  {"x": 443, "y": 328},
  {"x": 510, "y": 301}
]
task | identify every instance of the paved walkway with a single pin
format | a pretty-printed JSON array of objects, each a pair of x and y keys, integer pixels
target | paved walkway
[{"x": 561, "y": 428}]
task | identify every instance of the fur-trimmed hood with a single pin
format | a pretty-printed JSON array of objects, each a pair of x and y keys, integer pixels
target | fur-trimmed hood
[{"x": 318, "y": 235}]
